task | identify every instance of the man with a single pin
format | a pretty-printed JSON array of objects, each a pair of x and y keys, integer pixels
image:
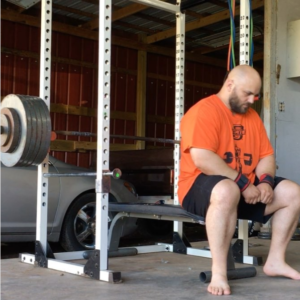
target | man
[{"x": 227, "y": 171}]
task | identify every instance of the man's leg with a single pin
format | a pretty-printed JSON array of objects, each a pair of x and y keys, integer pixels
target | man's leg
[
  {"x": 286, "y": 208},
  {"x": 220, "y": 225}
]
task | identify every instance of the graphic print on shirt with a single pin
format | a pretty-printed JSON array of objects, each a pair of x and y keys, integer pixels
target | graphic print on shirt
[
  {"x": 239, "y": 166},
  {"x": 238, "y": 133}
]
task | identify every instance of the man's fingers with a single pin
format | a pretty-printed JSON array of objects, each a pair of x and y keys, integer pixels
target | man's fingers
[{"x": 252, "y": 200}]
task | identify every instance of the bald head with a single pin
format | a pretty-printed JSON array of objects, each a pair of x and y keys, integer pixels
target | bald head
[
  {"x": 239, "y": 90},
  {"x": 244, "y": 73}
]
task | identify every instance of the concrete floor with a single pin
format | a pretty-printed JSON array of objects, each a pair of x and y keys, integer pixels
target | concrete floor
[{"x": 147, "y": 276}]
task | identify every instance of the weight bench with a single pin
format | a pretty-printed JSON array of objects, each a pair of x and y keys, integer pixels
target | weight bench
[{"x": 180, "y": 244}]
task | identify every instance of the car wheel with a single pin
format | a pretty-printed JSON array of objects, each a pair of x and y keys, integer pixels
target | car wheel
[{"x": 78, "y": 230}]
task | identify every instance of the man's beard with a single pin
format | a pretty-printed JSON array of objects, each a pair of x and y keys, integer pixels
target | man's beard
[{"x": 236, "y": 107}]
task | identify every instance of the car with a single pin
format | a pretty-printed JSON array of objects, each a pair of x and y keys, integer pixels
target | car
[{"x": 71, "y": 205}]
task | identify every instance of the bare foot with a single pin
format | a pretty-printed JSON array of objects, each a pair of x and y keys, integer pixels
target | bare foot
[
  {"x": 219, "y": 286},
  {"x": 281, "y": 269}
]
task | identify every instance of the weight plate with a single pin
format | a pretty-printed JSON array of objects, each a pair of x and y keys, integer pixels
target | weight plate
[
  {"x": 45, "y": 133},
  {"x": 30, "y": 133},
  {"x": 35, "y": 130},
  {"x": 39, "y": 124},
  {"x": 38, "y": 138},
  {"x": 13, "y": 101}
]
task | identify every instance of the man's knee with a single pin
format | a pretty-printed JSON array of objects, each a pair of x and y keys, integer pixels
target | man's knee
[
  {"x": 289, "y": 192},
  {"x": 226, "y": 192}
]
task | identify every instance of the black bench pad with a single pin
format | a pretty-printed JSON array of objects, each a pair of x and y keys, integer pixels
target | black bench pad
[{"x": 155, "y": 209}]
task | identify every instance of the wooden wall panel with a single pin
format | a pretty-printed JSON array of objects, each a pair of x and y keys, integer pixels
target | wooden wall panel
[
  {"x": 34, "y": 42},
  {"x": 60, "y": 45},
  {"x": 33, "y": 77},
  {"x": 189, "y": 70},
  {"x": 170, "y": 96},
  {"x": 21, "y": 75},
  {"x": 22, "y": 37},
  {"x": 7, "y": 76},
  {"x": 200, "y": 81},
  {"x": 8, "y": 33},
  {"x": 123, "y": 91},
  {"x": 74, "y": 85}
]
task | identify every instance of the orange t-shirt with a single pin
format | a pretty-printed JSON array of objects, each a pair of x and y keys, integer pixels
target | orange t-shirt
[{"x": 240, "y": 139}]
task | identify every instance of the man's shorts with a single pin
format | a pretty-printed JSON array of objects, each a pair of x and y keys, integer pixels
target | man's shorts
[{"x": 197, "y": 199}]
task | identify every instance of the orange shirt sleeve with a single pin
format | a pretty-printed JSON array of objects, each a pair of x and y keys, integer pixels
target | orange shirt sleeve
[
  {"x": 203, "y": 116},
  {"x": 266, "y": 148}
]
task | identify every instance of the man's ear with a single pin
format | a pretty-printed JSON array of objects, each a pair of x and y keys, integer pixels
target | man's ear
[{"x": 230, "y": 85}]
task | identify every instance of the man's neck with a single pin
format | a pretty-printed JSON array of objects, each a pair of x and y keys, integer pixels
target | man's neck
[{"x": 224, "y": 99}]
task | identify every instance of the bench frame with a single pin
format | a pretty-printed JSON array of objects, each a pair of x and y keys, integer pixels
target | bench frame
[
  {"x": 180, "y": 243},
  {"x": 157, "y": 213}
]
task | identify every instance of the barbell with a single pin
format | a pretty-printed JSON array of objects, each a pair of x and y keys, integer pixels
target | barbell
[{"x": 25, "y": 130}]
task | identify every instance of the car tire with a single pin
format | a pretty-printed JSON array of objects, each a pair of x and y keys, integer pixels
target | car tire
[{"x": 78, "y": 230}]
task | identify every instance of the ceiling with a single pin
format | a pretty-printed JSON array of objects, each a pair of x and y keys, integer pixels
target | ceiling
[{"x": 207, "y": 24}]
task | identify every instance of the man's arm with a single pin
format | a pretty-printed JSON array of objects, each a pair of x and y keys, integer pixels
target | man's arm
[
  {"x": 211, "y": 163},
  {"x": 266, "y": 166}
]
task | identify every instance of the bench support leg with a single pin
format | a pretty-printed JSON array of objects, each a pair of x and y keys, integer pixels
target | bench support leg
[
  {"x": 238, "y": 254},
  {"x": 114, "y": 237},
  {"x": 180, "y": 244}
]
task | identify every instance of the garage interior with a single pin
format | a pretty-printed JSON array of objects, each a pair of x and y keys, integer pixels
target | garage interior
[{"x": 142, "y": 104}]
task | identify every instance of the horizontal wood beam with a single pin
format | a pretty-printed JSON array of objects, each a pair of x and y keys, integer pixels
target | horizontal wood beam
[
  {"x": 56, "y": 26},
  {"x": 80, "y": 146},
  {"x": 92, "y": 112},
  {"x": 217, "y": 17},
  {"x": 89, "y": 112},
  {"x": 55, "y": 59},
  {"x": 127, "y": 11}
]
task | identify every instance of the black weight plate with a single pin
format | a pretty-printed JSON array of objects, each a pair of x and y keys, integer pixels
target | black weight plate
[
  {"x": 44, "y": 138},
  {"x": 31, "y": 131}
]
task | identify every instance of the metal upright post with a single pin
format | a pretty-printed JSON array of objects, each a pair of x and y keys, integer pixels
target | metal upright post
[
  {"x": 244, "y": 33},
  {"x": 179, "y": 101},
  {"x": 103, "y": 128},
  {"x": 44, "y": 93},
  {"x": 269, "y": 83},
  {"x": 103, "y": 181},
  {"x": 244, "y": 59}
]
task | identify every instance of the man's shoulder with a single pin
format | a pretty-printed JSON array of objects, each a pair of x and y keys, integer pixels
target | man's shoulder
[
  {"x": 252, "y": 113},
  {"x": 208, "y": 102}
]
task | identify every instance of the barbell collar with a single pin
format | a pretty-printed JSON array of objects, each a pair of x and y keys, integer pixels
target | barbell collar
[{"x": 10, "y": 130}]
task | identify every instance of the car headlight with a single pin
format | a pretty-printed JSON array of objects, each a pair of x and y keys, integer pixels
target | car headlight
[{"x": 130, "y": 188}]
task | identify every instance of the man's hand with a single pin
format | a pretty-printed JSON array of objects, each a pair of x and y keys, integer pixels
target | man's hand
[
  {"x": 266, "y": 193},
  {"x": 252, "y": 194}
]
